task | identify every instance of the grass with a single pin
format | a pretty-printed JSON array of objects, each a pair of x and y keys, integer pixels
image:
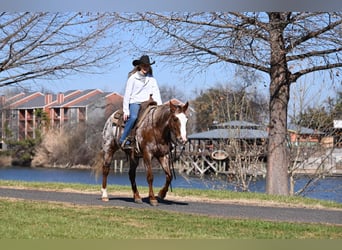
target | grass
[
  {"x": 43, "y": 220},
  {"x": 46, "y": 220}
]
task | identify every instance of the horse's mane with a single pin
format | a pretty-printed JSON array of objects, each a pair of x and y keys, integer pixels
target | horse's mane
[
  {"x": 158, "y": 117},
  {"x": 163, "y": 112}
]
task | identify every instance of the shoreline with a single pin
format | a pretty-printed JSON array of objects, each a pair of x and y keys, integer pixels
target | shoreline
[{"x": 337, "y": 173}]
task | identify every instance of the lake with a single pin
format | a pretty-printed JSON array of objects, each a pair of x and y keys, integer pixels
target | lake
[{"x": 329, "y": 188}]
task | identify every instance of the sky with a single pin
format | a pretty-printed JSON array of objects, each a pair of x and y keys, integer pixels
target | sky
[
  {"x": 167, "y": 5},
  {"x": 314, "y": 88},
  {"x": 115, "y": 79}
]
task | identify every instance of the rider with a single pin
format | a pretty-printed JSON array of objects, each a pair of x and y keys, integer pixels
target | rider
[{"x": 139, "y": 86}]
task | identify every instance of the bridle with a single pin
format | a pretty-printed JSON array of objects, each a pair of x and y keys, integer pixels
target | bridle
[{"x": 172, "y": 147}]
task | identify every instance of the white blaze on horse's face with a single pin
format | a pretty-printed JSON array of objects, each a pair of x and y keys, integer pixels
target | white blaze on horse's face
[{"x": 183, "y": 120}]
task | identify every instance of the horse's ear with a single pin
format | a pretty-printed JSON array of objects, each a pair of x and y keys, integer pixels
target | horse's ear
[
  {"x": 172, "y": 107},
  {"x": 185, "y": 107}
]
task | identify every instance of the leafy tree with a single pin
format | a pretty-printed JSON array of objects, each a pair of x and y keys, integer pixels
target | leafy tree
[
  {"x": 42, "y": 118},
  {"x": 336, "y": 106},
  {"x": 321, "y": 117},
  {"x": 316, "y": 118},
  {"x": 283, "y": 45}
]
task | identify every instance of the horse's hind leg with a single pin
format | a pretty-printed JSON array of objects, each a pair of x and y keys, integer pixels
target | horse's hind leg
[
  {"x": 107, "y": 160},
  {"x": 164, "y": 161},
  {"x": 132, "y": 174},
  {"x": 105, "y": 172}
]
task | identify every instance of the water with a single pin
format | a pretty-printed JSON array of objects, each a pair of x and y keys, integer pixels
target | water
[{"x": 329, "y": 188}]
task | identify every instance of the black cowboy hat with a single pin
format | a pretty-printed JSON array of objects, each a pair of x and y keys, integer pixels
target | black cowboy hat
[{"x": 143, "y": 60}]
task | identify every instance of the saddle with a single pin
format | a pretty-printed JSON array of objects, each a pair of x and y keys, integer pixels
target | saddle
[{"x": 117, "y": 119}]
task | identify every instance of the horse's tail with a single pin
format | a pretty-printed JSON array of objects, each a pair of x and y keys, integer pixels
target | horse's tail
[{"x": 98, "y": 164}]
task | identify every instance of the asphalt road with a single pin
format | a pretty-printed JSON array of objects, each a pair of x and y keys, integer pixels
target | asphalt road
[{"x": 228, "y": 210}]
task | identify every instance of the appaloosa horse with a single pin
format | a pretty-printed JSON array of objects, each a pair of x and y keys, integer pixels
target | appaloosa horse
[{"x": 158, "y": 130}]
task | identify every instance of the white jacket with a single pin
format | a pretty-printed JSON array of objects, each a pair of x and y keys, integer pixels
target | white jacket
[{"x": 138, "y": 89}]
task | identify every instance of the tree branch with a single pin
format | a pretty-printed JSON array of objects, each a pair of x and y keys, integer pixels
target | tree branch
[
  {"x": 51, "y": 45},
  {"x": 295, "y": 76}
]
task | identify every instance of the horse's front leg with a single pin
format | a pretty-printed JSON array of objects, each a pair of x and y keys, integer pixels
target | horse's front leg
[
  {"x": 149, "y": 177},
  {"x": 132, "y": 174},
  {"x": 164, "y": 162}
]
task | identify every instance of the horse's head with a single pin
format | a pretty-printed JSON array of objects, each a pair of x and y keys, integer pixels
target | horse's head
[{"x": 178, "y": 121}]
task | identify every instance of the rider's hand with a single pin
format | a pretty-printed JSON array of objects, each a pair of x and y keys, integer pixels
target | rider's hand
[{"x": 125, "y": 117}]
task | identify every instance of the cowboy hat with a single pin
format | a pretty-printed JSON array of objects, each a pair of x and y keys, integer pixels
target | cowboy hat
[{"x": 143, "y": 60}]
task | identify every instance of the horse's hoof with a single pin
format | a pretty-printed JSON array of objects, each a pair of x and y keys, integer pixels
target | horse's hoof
[
  {"x": 154, "y": 203},
  {"x": 161, "y": 196},
  {"x": 105, "y": 199},
  {"x": 138, "y": 200}
]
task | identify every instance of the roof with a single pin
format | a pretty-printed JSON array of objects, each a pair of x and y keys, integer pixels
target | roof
[
  {"x": 302, "y": 130},
  {"x": 229, "y": 134},
  {"x": 76, "y": 99},
  {"x": 88, "y": 100},
  {"x": 72, "y": 98},
  {"x": 22, "y": 101},
  {"x": 240, "y": 124},
  {"x": 33, "y": 103}
]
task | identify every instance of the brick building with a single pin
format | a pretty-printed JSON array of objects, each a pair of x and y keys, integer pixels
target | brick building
[{"x": 20, "y": 114}]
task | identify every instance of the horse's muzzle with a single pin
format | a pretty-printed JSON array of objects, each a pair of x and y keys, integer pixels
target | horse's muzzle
[{"x": 182, "y": 140}]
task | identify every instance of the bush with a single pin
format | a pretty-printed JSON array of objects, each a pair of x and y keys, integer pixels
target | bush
[
  {"x": 5, "y": 159},
  {"x": 22, "y": 152},
  {"x": 68, "y": 147}
]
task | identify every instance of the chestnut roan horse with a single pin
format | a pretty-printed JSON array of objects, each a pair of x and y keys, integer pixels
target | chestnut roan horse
[{"x": 160, "y": 128}]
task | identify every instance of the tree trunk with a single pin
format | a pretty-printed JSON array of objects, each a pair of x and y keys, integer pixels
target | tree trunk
[{"x": 278, "y": 160}]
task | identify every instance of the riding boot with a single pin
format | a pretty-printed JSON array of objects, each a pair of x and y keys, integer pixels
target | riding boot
[{"x": 126, "y": 144}]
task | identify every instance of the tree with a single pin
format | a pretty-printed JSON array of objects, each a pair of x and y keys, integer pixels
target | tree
[
  {"x": 53, "y": 45},
  {"x": 284, "y": 45},
  {"x": 311, "y": 152},
  {"x": 222, "y": 104},
  {"x": 169, "y": 92},
  {"x": 321, "y": 117}
]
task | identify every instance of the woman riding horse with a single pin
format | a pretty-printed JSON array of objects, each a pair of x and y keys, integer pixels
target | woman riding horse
[{"x": 161, "y": 128}]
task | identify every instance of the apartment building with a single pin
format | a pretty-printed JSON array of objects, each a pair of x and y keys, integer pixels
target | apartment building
[{"x": 22, "y": 114}]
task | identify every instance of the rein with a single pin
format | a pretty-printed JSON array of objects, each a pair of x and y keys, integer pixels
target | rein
[{"x": 173, "y": 156}]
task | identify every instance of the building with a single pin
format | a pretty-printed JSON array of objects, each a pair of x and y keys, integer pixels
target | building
[
  {"x": 302, "y": 136},
  {"x": 22, "y": 114},
  {"x": 221, "y": 134}
]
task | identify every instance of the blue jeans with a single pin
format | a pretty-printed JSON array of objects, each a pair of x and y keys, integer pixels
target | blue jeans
[{"x": 133, "y": 115}]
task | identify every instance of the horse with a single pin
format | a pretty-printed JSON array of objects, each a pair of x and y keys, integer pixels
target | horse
[{"x": 160, "y": 128}]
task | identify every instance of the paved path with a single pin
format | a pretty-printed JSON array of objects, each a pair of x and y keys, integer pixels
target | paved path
[{"x": 228, "y": 210}]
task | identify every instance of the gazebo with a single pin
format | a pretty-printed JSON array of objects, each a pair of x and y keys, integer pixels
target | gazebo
[
  {"x": 213, "y": 149},
  {"x": 222, "y": 135}
]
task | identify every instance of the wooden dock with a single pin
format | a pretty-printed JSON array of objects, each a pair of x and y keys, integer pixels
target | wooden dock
[
  {"x": 254, "y": 164},
  {"x": 203, "y": 163}
]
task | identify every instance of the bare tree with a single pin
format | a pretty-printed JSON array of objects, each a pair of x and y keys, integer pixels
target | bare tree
[
  {"x": 244, "y": 155},
  {"x": 169, "y": 92},
  {"x": 313, "y": 154},
  {"x": 284, "y": 45},
  {"x": 222, "y": 104},
  {"x": 52, "y": 45}
]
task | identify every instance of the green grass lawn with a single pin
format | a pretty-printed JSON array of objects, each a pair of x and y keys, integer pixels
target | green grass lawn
[
  {"x": 43, "y": 220},
  {"x": 46, "y": 220}
]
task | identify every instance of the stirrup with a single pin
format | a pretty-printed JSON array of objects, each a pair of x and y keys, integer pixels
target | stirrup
[{"x": 126, "y": 146}]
